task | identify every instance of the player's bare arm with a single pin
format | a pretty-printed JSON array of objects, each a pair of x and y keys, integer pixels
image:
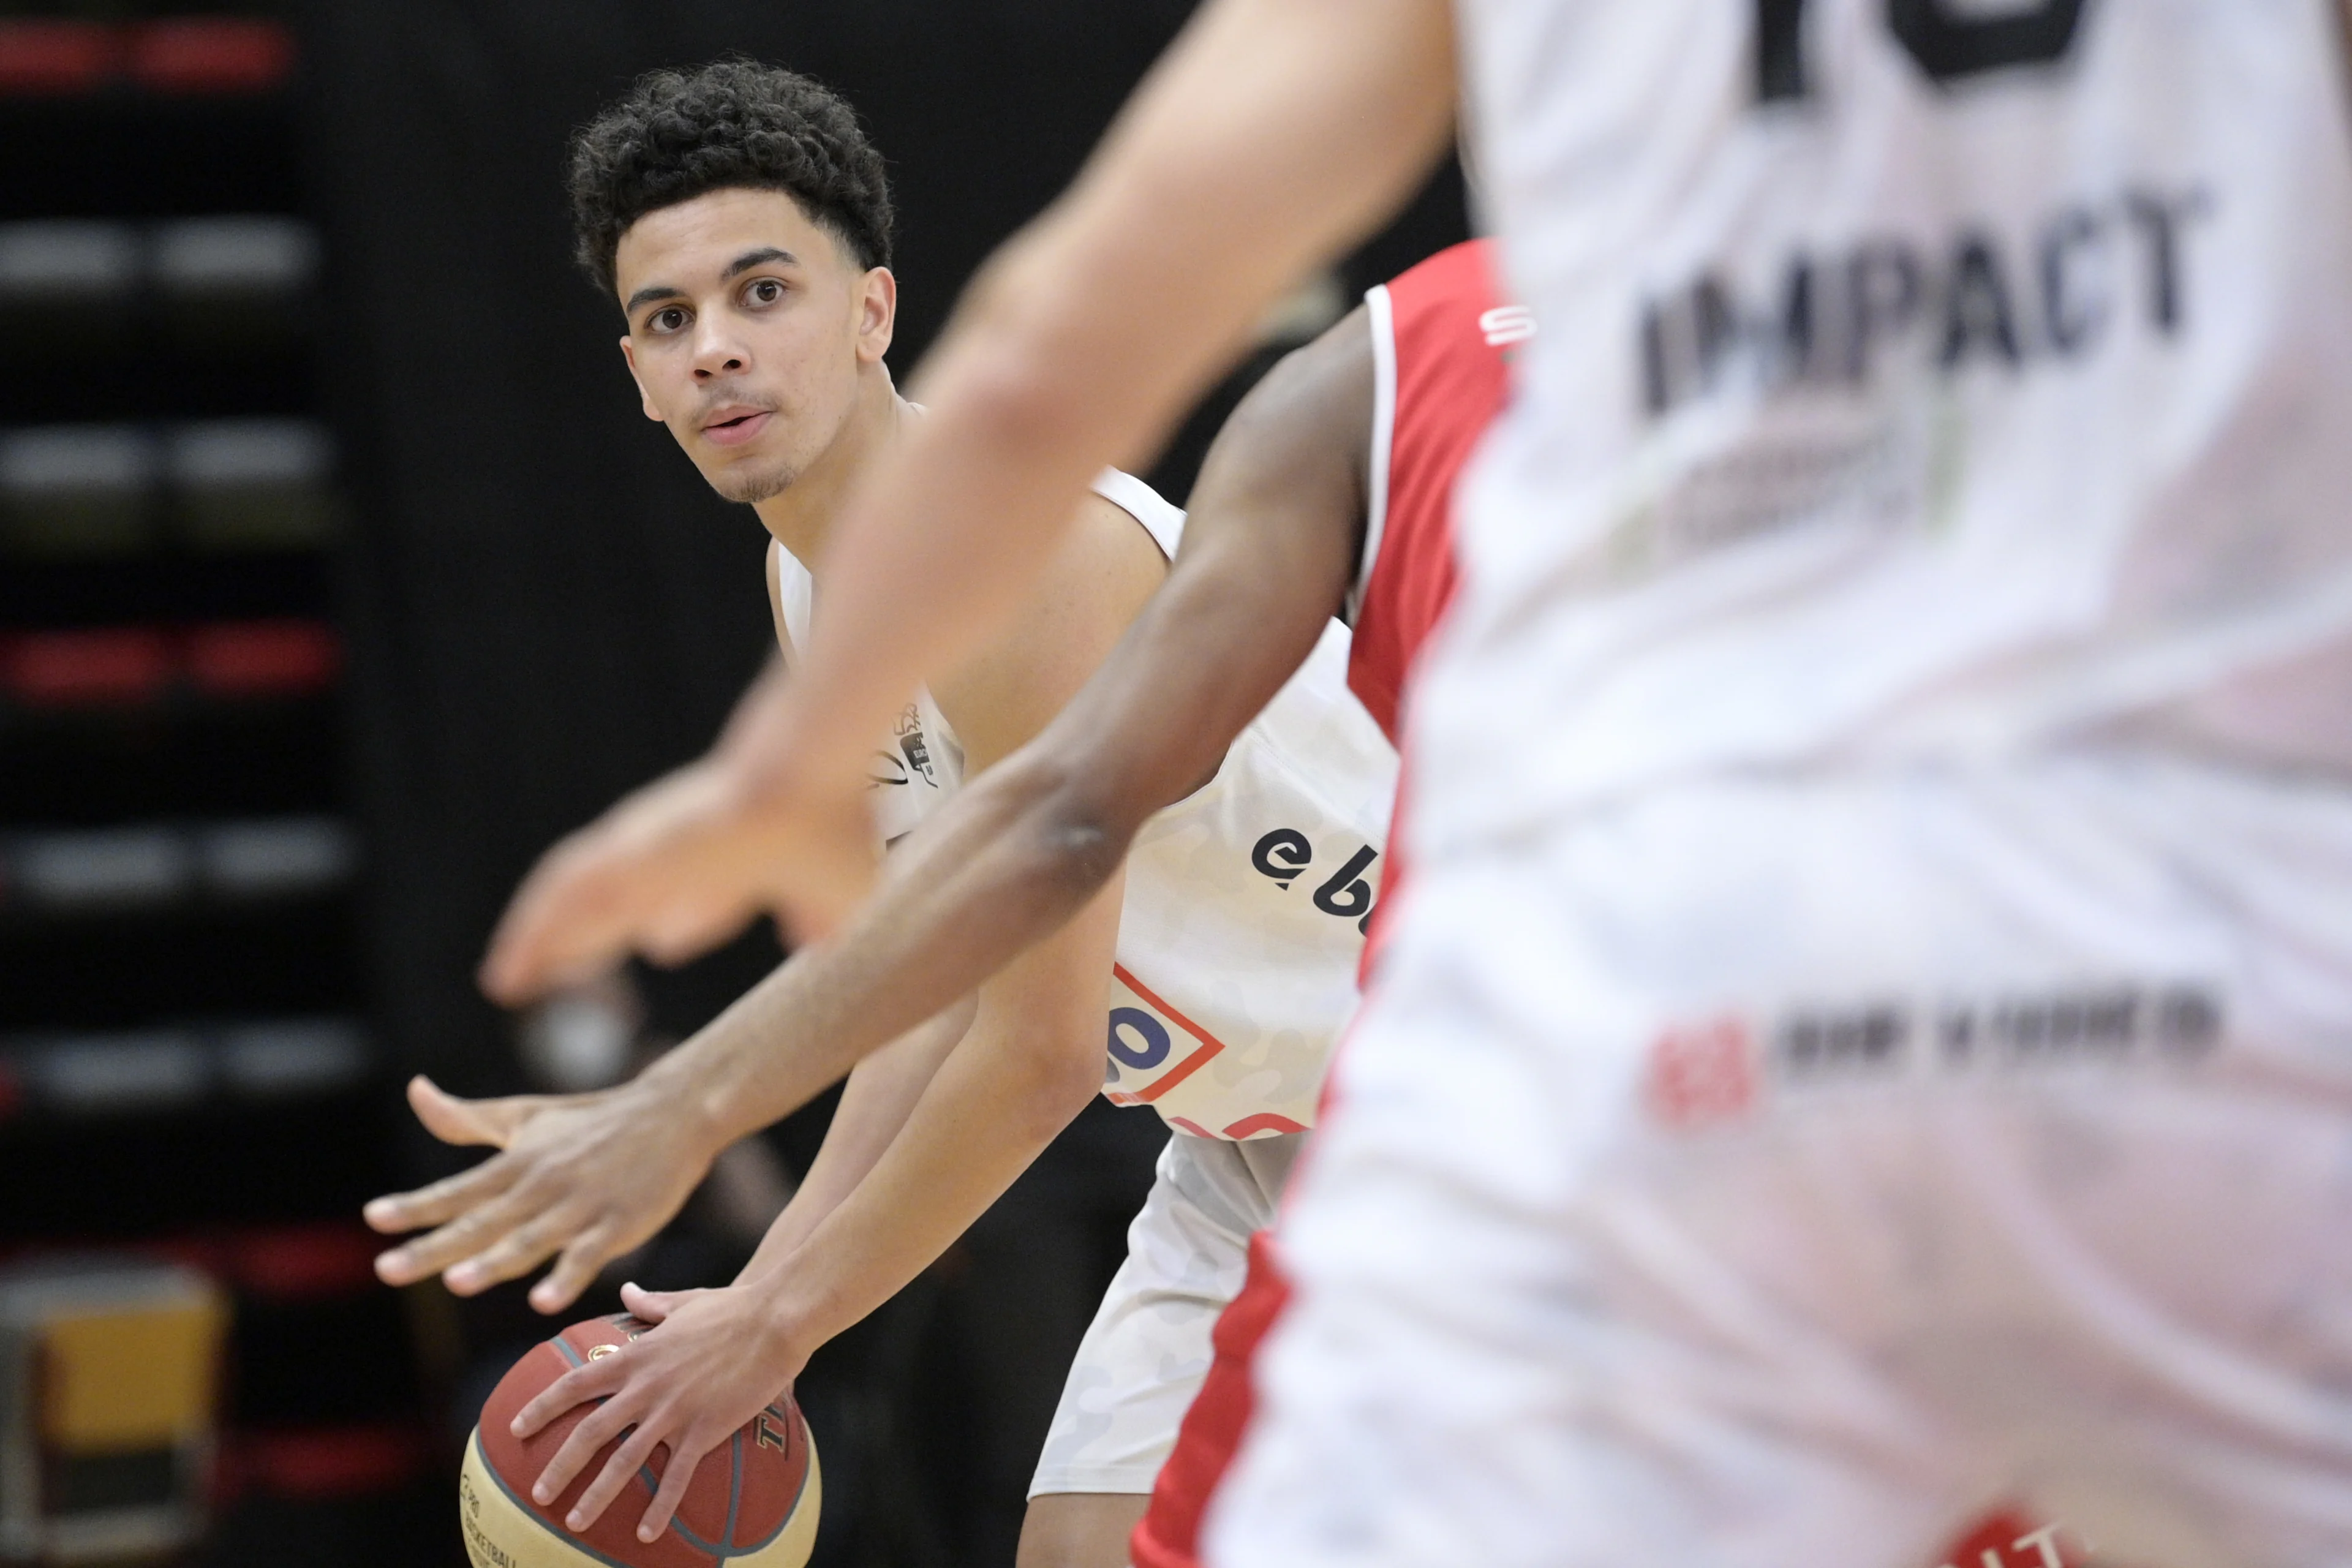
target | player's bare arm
[
  {"x": 574, "y": 1172},
  {"x": 1031, "y": 1060},
  {"x": 1265, "y": 559},
  {"x": 1272, "y": 134}
]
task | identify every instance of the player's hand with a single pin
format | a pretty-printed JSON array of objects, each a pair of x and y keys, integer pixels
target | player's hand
[
  {"x": 678, "y": 867},
  {"x": 588, "y": 1176},
  {"x": 713, "y": 1359}
]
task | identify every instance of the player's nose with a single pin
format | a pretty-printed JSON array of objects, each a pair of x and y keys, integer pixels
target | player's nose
[{"x": 718, "y": 352}]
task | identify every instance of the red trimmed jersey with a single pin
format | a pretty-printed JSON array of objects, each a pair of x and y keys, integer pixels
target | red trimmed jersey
[{"x": 1441, "y": 339}]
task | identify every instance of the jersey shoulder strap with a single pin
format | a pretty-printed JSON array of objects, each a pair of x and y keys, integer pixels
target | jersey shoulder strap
[{"x": 1442, "y": 335}]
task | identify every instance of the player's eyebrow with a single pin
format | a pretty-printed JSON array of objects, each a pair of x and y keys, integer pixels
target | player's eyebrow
[
  {"x": 649, "y": 293},
  {"x": 735, "y": 269},
  {"x": 759, "y": 257}
]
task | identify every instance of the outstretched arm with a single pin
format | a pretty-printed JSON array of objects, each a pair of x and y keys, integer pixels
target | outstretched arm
[
  {"x": 1267, "y": 554},
  {"x": 1274, "y": 133}
]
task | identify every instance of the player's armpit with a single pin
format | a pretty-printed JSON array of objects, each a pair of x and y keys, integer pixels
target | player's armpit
[{"x": 1105, "y": 568}]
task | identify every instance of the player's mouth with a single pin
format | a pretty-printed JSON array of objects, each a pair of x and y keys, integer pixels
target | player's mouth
[{"x": 734, "y": 425}]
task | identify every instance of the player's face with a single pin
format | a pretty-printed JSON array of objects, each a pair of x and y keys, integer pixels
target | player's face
[{"x": 750, "y": 327}]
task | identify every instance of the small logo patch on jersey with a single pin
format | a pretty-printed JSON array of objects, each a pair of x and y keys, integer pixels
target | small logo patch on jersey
[
  {"x": 1507, "y": 324},
  {"x": 1702, "y": 1073},
  {"x": 1152, "y": 1046}
]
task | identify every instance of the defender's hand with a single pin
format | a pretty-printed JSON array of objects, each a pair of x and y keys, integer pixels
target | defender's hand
[
  {"x": 678, "y": 867},
  {"x": 588, "y": 1176},
  {"x": 713, "y": 1361}
]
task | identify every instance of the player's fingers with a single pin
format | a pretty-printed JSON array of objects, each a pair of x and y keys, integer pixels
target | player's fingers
[
  {"x": 559, "y": 927},
  {"x": 523, "y": 1248},
  {"x": 636, "y": 1449},
  {"x": 470, "y": 1121},
  {"x": 686, "y": 1451},
  {"x": 575, "y": 1270},
  {"x": 688, "y": 925},
  {"x": 444, "y": 1200},
  {"x": 481, "y": 1213},
  {"x": 652, "y": 1306},
  {"x": 598, "y": 1380},
  {"x": 462, "y": 1238}
]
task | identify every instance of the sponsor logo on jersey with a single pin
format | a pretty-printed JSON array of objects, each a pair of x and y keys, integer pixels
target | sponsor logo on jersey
[
  {"x": 1346, "y": 894},
  {"x": 1152, "y": 1046},
  {"x": 1837, "y": 316},
  {"x": 1718, "y": 1070}
]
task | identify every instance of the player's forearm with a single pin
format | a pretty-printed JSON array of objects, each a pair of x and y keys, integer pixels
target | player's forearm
[
  {"x": 881, "y": 1095},
  {"x": 774, "y": 1049},
  {"x": 989, "y": 1110},
  {"x": 1295, "y": 123}
]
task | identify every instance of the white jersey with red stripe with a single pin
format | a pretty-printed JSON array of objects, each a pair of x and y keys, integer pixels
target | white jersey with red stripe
[
  {"x": 1870, "y": 1037},
  {"x": 1245, "y": 902},
  {"x": 1919, "y": 379}
]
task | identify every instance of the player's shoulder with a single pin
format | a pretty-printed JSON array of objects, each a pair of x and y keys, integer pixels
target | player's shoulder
[
  {"x": 1458, "y": 279},
  {"x": 1125, "y": 495}
]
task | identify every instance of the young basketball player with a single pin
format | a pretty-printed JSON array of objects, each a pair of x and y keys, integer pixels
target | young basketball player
[
  {"x": 740, "y": 224},
  {"x": 1347, "y": 450},
  {"x": 1879, "y": 1034}
]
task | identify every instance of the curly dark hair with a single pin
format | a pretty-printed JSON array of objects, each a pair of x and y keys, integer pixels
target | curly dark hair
[{"x": 730, "y": 124}]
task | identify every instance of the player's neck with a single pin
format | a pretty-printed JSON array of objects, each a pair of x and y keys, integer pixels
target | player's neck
[{"x": 801, "y": 515}]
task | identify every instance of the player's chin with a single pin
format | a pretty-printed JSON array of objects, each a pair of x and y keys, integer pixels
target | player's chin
[{"x": 750, "y": 477}]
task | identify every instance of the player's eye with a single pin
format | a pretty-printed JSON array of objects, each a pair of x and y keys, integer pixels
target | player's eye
[
  {"x": 668, "y": 319},
  {"x": 764, "y": 291}
]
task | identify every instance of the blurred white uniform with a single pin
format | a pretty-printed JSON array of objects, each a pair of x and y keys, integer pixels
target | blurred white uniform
[
  {"x": 1871, "y": 1034},
  {"x": 1242, "y": 924}
]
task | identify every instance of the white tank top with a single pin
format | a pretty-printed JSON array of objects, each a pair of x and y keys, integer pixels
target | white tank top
[
  {"x": 1919, "y": 378},
  {"x": 1245, "y": 901}
]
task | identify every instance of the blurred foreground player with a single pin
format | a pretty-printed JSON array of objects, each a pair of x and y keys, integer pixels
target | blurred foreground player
[
  {"x": 735, "y": 213},
  {"x": 1441, "y": 336},
  {"x": 1877, "y": 1035}
]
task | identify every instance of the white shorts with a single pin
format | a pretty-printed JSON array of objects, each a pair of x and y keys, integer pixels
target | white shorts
[
  {"x": 1773, "y": 1174},
  {"x": 1147, "y": 1349}
]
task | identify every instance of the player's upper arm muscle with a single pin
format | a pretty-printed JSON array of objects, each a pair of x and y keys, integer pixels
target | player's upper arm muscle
[
  {"x": 1102, "y": 573},
  {"x": 1269, "y": 548}
]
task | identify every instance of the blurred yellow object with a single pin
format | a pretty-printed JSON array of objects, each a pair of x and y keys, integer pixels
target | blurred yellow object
[
  {"x": 138, "y": 1379},
  {"x": 110, "y": 1379}
]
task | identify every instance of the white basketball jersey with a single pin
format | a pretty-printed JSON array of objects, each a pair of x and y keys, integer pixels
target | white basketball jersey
[
  {"x": 1919, "y": 378},
  {"x": 1245, "y": 902}
]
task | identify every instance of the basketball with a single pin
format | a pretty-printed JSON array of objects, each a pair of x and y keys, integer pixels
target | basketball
[{"x": 753, "y": 1501}]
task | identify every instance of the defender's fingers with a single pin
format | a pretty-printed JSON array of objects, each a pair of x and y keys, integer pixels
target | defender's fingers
[
  {"x": 686, "y": 1451},
  {"x": 598, "y": 1380},
  {"x": 575, "y": 1270},
  {"x": 636, "y": 1449}
]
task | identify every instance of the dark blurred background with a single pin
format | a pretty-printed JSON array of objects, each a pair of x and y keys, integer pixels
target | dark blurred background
[{"x": 340, "y": 575}]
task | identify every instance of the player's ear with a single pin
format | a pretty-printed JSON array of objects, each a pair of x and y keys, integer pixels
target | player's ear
[
  {"x": 877, "y": 313},
  {"x": 645, "y": 398}
]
